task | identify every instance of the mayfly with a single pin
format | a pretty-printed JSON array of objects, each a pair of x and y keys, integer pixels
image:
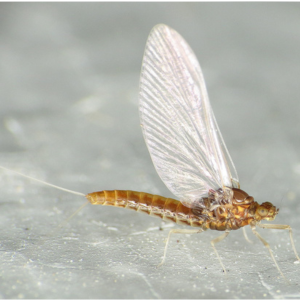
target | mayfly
[{"x": 187, "y": 149}]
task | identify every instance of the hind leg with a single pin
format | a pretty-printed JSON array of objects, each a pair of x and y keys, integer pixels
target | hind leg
[{"x": 186, "y": 231}]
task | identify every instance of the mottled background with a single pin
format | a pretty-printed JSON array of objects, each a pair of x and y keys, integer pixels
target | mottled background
[{"x": 69, "y": 115}]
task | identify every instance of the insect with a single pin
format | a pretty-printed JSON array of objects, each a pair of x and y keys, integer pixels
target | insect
[{"x": 188, "y": 151}]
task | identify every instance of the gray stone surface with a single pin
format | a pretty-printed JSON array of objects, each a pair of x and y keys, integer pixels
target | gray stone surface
[{"x": 69, "y": 92}]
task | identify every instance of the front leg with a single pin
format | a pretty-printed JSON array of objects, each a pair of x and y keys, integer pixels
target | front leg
[
  {"x": 267, "y": 246},
  {"x": 285, "y": 227}
]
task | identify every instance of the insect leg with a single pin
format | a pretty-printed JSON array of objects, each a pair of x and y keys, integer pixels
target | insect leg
[
  {"x": 217, "y": 240},
  {"x": 268, "y": 247},
  {"x": 286, "y": 227},
  {"x": 186, "y": 231},
  {"x": 246, "y": 236}
]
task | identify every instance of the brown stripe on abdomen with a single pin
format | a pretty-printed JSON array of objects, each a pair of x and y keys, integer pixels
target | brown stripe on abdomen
[{"x": 166, "y": 208}]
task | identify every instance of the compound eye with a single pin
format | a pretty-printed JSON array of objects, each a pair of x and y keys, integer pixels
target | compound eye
[{"x": 262, "y": 211}]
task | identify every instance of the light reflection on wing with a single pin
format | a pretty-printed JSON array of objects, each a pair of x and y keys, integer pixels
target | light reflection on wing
[{"x": 179, "y": 126}]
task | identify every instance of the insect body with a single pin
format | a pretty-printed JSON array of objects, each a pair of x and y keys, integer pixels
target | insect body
[
  {"x": 240, "y": 211},
  {"x": 187, "y": 150}
]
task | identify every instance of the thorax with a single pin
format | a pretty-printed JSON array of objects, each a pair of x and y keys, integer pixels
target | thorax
[{"x": 231, "y": 209}]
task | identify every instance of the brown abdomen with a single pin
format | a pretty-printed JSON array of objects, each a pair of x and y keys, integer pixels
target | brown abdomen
[{"x": 166, "y": 208}]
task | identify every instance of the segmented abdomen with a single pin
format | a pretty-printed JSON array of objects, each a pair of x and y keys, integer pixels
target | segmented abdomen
[{"x": 166, "y": 208}]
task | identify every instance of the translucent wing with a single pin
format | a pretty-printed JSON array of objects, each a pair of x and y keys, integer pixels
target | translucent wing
[{"x": 179, "y": 126}]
